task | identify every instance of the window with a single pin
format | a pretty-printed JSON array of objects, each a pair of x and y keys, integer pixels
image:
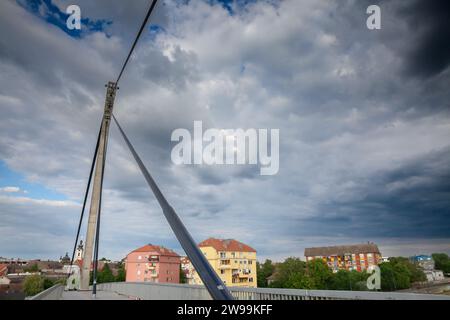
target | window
[
  {"x": 222, "y": 255},
  {"x": 250, "y": 279},
  {"x": 233, "y": 254},
  {"x": 222, "y": 271},
  {"x": 140, "y": 257}
]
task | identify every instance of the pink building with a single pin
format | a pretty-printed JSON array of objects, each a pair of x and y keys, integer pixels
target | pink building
[{"x": 153, "y": 264}]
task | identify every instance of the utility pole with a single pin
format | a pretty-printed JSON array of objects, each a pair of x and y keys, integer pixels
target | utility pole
[{"x": 92, "y": 228}]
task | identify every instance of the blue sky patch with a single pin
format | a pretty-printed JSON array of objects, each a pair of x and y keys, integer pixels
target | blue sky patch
[
  {"x": 48, "y": 11},
  {"x": 232, "y": 5},
  {"x": 10, "y": 178}
]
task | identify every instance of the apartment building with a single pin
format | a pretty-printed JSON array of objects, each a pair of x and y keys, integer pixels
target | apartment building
[
  {"x": 152, "y": 263},
  {"x": 233, "y": 261},
  {"x": 358, "y": 257}
]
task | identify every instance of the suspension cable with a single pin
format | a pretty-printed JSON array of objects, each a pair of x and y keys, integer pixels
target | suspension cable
[
  {"x": 149, "y": 12},
  {"x": 85, "y": 200},
  {"x": 213, "y": 283},
  {"x": 97, "y": 233}
]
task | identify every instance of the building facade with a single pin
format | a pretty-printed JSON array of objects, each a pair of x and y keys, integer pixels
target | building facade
[
  {"x": 152, "y": 263},
  {"x": 189, "y": 271},
  {"x": 434, "y": 275},
  {"x": 427, "y": 264},
  {"x": 79, "y": 251},
  {"x": 233, "y": 261},
  {"x": 423, "y": 261},
  {"x": 357, "y": 257}
]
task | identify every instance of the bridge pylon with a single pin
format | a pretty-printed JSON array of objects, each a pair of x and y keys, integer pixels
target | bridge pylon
[{"x": 93, "y": 227}]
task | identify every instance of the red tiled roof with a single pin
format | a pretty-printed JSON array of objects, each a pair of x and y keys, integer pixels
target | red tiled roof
[
  {"x": 342, "y": 250},
  {"x": 158, "y": 249},
  {"x": 226, "y": 245},
  {"x": 3, "y": 269}
]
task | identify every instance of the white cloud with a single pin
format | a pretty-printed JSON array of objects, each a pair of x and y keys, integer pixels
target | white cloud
[
  {"x": 348, "y": 119},
  {"x": 10, "y": 189},
  {"x": 46, "y": 202}
]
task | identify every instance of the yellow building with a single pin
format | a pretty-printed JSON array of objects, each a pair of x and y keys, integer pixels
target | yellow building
[{"x": 233, "y": 261}]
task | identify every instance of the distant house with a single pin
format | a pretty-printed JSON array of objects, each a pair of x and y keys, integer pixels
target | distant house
[
  {"x": 152, "y": 263},
  {"x": 424, "y": 261},
  {"x": 434, "y": 275},
  {"x": 427, "y": 264},
  {"x": 347, "y": 257},
  {"x": 272, "y": 278},
  {"x": 3, "y": 272}
]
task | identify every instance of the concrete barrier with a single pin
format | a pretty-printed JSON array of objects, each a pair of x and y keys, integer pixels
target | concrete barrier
[
  {"x": 157, "y": 291},
  {"x": 168, "y": 291},
  {"x": 160, "y": 291},
  {"x": 52, "y": 293}
]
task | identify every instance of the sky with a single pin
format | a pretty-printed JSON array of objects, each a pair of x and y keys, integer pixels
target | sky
[{"x": 364, "y": 119}]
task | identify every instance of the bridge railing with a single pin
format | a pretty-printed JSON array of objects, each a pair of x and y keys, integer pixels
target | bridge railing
[
  {"x": 301, "y": 294},
  {"x": 168, "y": 291},
  {"x": 162, "y": 291},
  {"x": 52, "y": 293},
  {"x": 157, "y": 291}
]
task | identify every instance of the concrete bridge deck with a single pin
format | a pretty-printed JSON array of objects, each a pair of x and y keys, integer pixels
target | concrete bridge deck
[
  {"x": 160, "y": 291},
  {"x": 87, "y": 295}
]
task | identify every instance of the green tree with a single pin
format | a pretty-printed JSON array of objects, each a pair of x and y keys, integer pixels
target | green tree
[
  {"x": 395, "y": 275},
  {"x": 349, "y": 280},
  {"x": 358, "y": 280},
  {"x": 388, "y": 282},
  {"x": 299, "y": 281},
  {"x": 105, "y": 275},
  {"x": 441, "y": 262},
  {"x": 121, "y": 273},
  {"x": 288, "y": 273},
  {"x": 320, "y": 273},
  {"x": 182, "y": 276},
  {"x": 33, "y": 285},
  {"x": 48, "y": 283},
  {"x": 33, "y": 268},
  {"x": 415, "y": 272},
  {"x": 264, "y": 271}
]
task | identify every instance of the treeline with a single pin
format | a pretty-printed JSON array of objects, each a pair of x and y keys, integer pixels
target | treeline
[
  {"x": 442, "y": 262},
  {"x": 36, "y": 283},
  {"x": 398, "y": 273},
  {"x": 106, "y": 275}
]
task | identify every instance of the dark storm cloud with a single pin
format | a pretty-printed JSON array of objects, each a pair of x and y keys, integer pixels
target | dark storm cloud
[
  {"x": 411, "y": 201},
  {"x": 363, "y": 144},
  {"x": 429, "y": 25}
]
